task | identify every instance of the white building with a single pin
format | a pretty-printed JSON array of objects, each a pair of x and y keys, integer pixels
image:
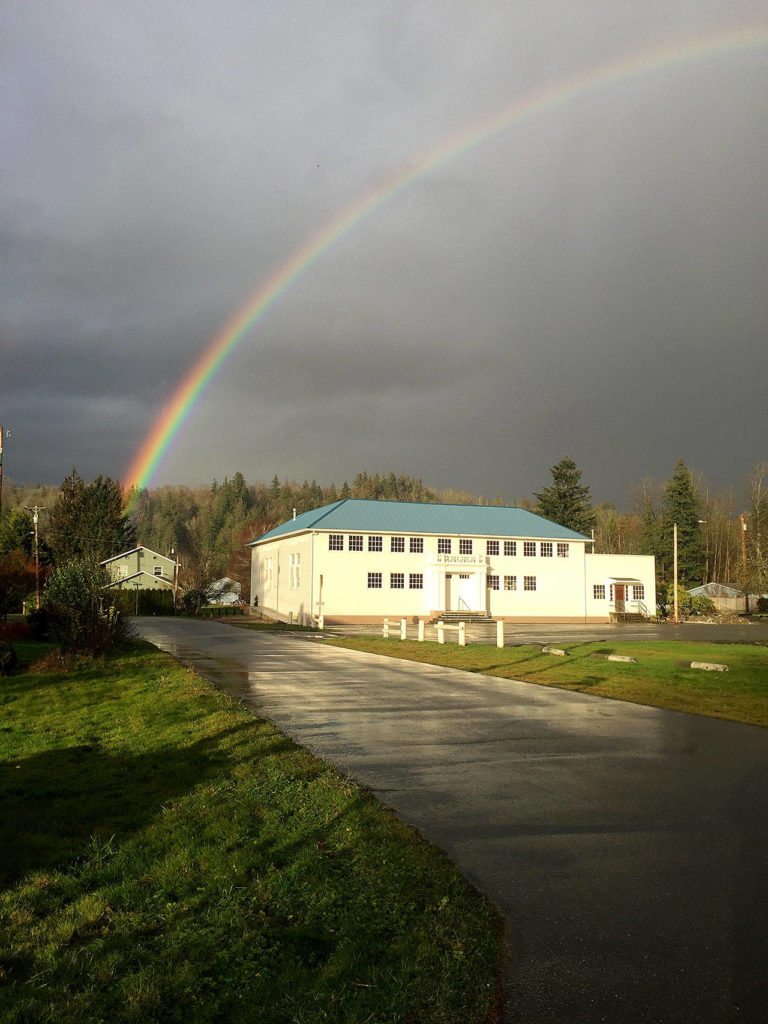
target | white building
[{"x": 361, "y": 561}]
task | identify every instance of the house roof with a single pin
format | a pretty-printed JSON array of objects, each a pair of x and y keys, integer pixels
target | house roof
[
  {"x": 134, "y": 576},
  {"x": 716, "y": 590},
  {"x": 132, "y": 551},
  {"x": 364, "y": 515}
]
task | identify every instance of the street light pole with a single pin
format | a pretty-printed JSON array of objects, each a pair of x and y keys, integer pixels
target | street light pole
[{"x": 36, "y": 510}]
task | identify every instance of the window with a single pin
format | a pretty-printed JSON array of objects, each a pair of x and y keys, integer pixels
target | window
[
  {"x": 598, "y": 591},
  {"x": 375, "y": 544},
  {"x": 267, "y": 573},
  {"x": 335, "y": 541},
  {"x": 510, "y": 547},
  {"x": 529, "y": 548},
  {"x": 122, "y": 572},
  {"x": 491, "y": 547},
  {"x": 529, "y": 582},
  {"x": 374, "y": 581},
  {"x": 417, "y": 545},
  {"x": 443, "y": 545},
  {"x": 397, "y": 544},
  {"x": 563, "y": 550},
  {"x": 510, "y": 582},
  {"x": 493, "y": 582},
  {"x": 638, "y": 592},
  {"x": 294, "y": 571},
  {"x": 416, "y": 581},
  {"x": 465, "y": 546},
  {"x": 158, "y": 570},
  {"x": 355, "y": 542},
  {"x": 397, "y": 580},
  {"x": 546, "y": 549}
]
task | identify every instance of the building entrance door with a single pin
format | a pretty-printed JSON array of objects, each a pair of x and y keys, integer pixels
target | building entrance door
[
  {"x": 459, "y": 595},
  {"x": 620, "y": 592}
]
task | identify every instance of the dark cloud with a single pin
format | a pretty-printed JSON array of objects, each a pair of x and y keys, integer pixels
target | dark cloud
[{"x": 589, "y": 280}]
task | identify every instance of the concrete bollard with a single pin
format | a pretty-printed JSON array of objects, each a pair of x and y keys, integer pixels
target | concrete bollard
[
  {"x": 462, "y": 634},
  {"x": 421, "y": 630},
  {"x": 403, "y": 630},
  {"x": 321, "y": 622},
  {"x": 500, "y": 633},
  {"x": 441, "y": 632},
  {"x": 290, "y": 618},
  {"x": 385, "y": 629}
]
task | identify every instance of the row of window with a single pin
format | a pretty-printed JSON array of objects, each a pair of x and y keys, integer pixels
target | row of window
[
  {"x": 598, "y": 592},
  {"x": 396, "y": 580},
  {"x": 416, "y": 581},
  {"x": 545, "y": 548}
]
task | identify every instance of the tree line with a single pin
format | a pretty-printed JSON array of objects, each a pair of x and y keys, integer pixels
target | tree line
[{"x": 720, "y": 537}]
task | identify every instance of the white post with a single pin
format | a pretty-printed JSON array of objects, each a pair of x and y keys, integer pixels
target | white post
[
  {"x": 421, "y": 629},
  {"x": 462, "y": 634},
  {"x": 385, "y": 630},
  {"x": 500, "y": 633},
  {"x": 321, "y": 621},
  {"x": 441, "y": 632},
  {"x": 290, "y": 618},
  {"x": 403, "y": 630}
]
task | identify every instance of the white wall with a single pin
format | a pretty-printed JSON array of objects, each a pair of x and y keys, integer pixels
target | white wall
[{"x": 601, "y": 568}]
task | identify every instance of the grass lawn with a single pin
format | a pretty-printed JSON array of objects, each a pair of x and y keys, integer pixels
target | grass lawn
[
  {"x": 741, "y": 694},
  {"x": 166, "y": 856}
]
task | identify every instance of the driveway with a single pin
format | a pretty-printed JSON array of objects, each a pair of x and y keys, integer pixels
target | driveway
[{"x": 625, "y": 846}]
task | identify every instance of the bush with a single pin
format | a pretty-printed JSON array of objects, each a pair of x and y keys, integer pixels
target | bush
[
  {"x": 8, "y": 658},
  {"x": 82, "y": 617},
  {"x": 151, "y": 602},
  {"x": 762, "y": 606}
]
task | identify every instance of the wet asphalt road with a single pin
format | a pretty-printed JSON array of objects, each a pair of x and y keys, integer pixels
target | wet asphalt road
[{"x": 626, "y": 847}]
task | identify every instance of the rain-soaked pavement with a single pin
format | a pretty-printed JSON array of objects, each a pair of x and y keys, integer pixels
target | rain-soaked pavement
[{"x": 626, "y": 847}]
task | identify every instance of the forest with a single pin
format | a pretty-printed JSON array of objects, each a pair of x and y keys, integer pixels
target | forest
[{"x": 722, "y": 537}]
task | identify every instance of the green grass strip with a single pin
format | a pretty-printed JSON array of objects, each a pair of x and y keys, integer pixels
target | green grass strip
[
  {"x": 167, "y": 856},
  {"x": 657, "y": 679}
]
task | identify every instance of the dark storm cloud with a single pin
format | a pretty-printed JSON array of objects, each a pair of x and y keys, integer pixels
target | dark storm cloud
[{"x": 591, "y": 280}]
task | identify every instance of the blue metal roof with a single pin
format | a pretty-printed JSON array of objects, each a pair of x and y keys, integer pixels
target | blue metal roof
[{"x": 414, "y": 518}]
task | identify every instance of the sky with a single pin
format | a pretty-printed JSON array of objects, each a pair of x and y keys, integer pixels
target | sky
[{"x": 588, "y": 279}]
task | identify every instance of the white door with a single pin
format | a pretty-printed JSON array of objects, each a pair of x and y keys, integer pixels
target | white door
[{"x": 459, "y": 592}]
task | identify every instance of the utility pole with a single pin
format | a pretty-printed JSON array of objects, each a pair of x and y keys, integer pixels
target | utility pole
[
  {"x": 677, "y": 614},
  {"x": 1, "y": 469},
  {"x": 36, "y": 510},
  {"x": 744, "y": 561}
]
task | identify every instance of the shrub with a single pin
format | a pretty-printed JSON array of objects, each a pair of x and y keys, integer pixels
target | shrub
[
  {"x": 82, "y": 615},
  {"x": 762, "y": 606},
  {"x": 8, "y": 658},
  {"x": 150, "y": 602}
]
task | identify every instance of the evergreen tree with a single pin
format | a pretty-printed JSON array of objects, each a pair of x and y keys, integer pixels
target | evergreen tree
[
  {"x": 87, "y": 521},
  {"x": 566, "y": 502},
  {"x": 16, "y": 531},
  {"x": 680, "y": 504}
]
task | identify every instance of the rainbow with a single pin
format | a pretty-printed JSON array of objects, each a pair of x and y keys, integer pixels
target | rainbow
[{"x": 175, "y": 414}]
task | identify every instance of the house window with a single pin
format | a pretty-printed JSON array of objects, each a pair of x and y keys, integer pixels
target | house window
[
  {"x": 397, "y": 544},
  {"x": 510, "y": 547},
  {"x": 335, "y": 541},
  {"x": 416, "y": 581},
  {"x": 546, "y": 549},
  {"x": 465, "y": 546},
  {"x": 122, "y": 572},
  {"x": 417, "y": 545},
  {"x": 598, "y": 591},
  {"x": 529, "y": 582},
  {"x": 355, "y": 542},
  {"x": 267, "y": 573},
  {"x": 294, "y": 571},
  {"x": 493, "y": 582},
  {"x": 374, "y": 581},
  {"x": 529, "y": 548},
  {"x": 158, "y": 570},
  {"x": 510, "y": 582},
  {"x": 491, "y": 547},
  {"x": 375, "y": 544},
  {"x": 397, "y": 580},
  {"x": 638, "y": 592},
  {"x": 443, "y": 545},
  {"x": 563, "y": 550}
]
